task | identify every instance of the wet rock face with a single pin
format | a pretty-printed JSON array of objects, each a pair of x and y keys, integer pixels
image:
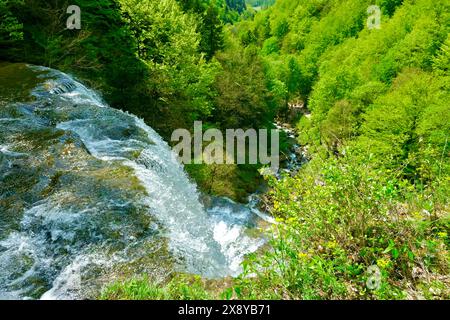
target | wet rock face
[
  {"x": 39, "y": 160},
  {"x": 16, "y": 82},
  {"x": 52, "y": 187}
]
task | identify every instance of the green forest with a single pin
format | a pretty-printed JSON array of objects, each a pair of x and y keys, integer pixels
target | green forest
[{"x": 371, "y": 107}]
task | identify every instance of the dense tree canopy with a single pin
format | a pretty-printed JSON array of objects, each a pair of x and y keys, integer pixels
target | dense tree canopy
[{"x": 376, "y": 125}]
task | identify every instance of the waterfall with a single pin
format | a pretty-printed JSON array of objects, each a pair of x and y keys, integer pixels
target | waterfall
[{"x": 105, "y": 191}]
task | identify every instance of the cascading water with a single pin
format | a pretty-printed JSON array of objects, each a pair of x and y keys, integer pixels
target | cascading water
[{"x": 88, "y": 191}]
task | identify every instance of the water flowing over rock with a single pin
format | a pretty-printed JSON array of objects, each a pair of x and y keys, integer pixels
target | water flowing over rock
[{"x": 89, "y": 192}]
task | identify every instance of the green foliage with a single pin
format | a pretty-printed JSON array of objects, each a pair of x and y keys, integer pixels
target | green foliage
[
  {"x": 409, "y": 39},
  {"x": 409, "y": 126},
  {"x": 10, "y": 27},
  {"x": 212, "y": 36},
  {"x": 337, "y": 218},
  {"x": 168, "y": 43},
  {"x": 242, "y": 99},
  {"x": 260, "y": 3},
  {"x": 232, "y": 181},
  {"x": 441, "y": 61},
  {"x": 236, "y": 5},
  {"x": 209, "y": 25},
  {"x": 181, "y": 287},
  {"x": 376, "y": 192}
]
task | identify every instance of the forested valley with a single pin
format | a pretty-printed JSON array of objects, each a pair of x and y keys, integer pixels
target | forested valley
[{"x": 367, "y": 214}]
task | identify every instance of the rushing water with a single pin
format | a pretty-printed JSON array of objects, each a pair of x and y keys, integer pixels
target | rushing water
[
  {"x": 296, "y": 155},
  {"x": 89, "y": 192}
]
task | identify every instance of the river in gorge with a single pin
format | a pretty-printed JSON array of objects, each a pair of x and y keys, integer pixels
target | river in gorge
[{"x": 89, "y": 194}]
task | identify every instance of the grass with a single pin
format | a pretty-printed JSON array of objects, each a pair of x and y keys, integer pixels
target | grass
[{"x": 180, "y": 287}]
